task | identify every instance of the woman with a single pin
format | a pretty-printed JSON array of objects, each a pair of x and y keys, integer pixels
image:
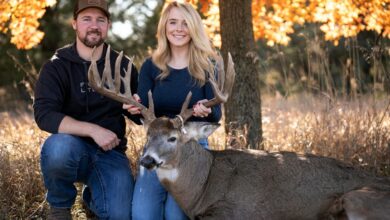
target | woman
[{"x": 181, "y": 63}]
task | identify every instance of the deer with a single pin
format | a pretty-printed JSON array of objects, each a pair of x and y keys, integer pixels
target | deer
[{"x": 244, "y": 184}]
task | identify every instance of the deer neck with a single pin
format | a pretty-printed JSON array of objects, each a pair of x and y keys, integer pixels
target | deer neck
[{"x": 192, "y": 169}]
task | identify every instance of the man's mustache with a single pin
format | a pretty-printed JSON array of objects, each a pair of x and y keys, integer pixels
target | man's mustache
[{"x": 94, "y": 32}]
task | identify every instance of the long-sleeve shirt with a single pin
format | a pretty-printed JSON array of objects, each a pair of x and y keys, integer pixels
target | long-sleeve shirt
[{"x": 170, "y": 93}]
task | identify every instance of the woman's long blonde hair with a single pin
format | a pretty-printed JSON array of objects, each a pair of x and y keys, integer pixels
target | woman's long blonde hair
[{"x": 200, "y": 50}]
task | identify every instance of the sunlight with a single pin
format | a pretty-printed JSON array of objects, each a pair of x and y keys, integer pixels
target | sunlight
[
  {"x": 125, "y": 29},
  {"x": 122, "y": 29}
]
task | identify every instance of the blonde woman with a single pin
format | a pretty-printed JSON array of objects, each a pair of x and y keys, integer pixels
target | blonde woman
[{"x": 181, "y": 63}]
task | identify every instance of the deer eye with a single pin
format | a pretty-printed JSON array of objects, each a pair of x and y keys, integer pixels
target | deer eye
[{"x": 171, "y": 139}]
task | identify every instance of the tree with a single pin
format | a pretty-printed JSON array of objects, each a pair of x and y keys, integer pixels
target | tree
[{"x": 243, "y": 109}]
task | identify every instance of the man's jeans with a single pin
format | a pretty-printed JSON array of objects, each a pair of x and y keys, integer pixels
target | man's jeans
[
  {"x": 151, "y": 201},
  {"x": 66, "y": 159}
]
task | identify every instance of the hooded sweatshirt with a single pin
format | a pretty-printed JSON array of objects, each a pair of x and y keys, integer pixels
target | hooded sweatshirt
[{"x": 63, "y": 90}]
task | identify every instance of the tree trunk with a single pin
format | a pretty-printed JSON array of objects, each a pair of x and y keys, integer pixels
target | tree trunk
[{"x": 243, "y": 110}]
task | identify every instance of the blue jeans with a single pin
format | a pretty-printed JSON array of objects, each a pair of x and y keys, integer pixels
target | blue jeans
[
  {"x": 66, "y": 159},
  {"x": 151, "y": 201}
]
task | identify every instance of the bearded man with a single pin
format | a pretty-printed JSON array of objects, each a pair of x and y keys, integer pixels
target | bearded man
[{"x": 87, "y": 142}]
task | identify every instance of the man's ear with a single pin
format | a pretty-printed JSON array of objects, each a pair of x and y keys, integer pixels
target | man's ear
[
  {"x": 199, "y": 130},
  {"x": 74, "y": 24}
]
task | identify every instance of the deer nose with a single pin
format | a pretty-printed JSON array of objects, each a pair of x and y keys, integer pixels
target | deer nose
[{"x": 148, "y": 162}]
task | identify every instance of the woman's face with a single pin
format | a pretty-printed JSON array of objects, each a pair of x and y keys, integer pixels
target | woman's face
[{"x": 176, "y": 29}]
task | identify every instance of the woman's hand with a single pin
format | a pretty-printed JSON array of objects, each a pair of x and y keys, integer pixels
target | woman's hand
[
  {"x": 132, "y": 108},
  {"x": 200, "y": 110}
]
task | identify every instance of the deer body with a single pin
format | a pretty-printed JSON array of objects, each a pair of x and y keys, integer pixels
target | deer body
[{"x": 234, "y": 184}]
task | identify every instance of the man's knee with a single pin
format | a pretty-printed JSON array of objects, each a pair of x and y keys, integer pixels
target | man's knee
[{"x": 58, "y": 150}]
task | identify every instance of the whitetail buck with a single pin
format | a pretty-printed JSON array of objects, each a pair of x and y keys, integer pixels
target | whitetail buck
[{"x": 247, "y": 184}]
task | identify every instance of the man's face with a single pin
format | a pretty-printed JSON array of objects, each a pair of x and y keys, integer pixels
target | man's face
[{"x": 91, "y": 26}]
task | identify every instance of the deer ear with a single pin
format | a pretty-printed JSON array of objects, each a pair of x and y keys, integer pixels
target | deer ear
[{"x": 199, "y": 130}]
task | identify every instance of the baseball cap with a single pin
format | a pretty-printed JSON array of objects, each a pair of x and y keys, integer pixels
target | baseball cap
[{"x": 84, "y": 4}]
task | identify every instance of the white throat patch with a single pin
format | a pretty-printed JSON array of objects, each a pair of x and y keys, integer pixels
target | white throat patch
[{"x": 167, "y": 174}]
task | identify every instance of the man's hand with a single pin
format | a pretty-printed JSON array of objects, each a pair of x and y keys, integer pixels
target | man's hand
[{"x": 105, "y": 138}]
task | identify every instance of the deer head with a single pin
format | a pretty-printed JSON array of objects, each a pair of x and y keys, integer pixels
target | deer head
[{"x": 164, "y": 135}]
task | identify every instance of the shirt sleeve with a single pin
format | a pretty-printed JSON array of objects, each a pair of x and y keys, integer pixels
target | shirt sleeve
[
  {"x": 49, "y": 96},
  {"x": 146, "y": 81}
]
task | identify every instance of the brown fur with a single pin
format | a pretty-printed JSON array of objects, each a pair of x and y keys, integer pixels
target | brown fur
[{"x": 249, "y": 184}]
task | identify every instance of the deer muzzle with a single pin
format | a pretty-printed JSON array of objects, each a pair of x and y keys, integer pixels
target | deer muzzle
[{"x": 148, "y": 162}]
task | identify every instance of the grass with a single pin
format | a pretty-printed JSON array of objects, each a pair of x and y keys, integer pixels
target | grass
[{"x": 356, "y": 131}]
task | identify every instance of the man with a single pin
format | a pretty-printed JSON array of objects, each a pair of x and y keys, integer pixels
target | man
[{"x": 87, "y": 143}]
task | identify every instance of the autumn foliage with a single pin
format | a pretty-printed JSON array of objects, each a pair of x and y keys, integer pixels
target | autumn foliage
[
  {"x": 20, "y": 17},
  {"x": 273, "y": 20}
]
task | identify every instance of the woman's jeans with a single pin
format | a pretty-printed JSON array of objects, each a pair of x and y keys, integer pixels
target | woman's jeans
[
  {"x": 66, "y": 159},
  {"x": 151, "y": 201}
]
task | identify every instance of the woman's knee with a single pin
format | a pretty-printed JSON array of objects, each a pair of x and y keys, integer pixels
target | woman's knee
[
  {"x": 149, "y": 197},
  {"x": 173, "y": 210}
]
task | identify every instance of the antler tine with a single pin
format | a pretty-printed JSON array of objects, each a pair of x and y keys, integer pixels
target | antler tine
[
  {"x": 93, "y": 74},
  {"x": 106, "y": 76},
  {"x": 118, "y": 78},
  {"x": 221, "y": 72},
  {"x": 148, "y": 113},
  {"x": 111, "y": 88},
  {"x": 223, "y": 88},
  {"x": 231, "y": 75},
  {"x": 185, "y": 112},
  {"x": 126, "y": 80}
]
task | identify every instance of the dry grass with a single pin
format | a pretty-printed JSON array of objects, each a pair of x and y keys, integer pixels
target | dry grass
[
  {"x": 21, "y": 188},
  {"x": 354, "y": 131}
]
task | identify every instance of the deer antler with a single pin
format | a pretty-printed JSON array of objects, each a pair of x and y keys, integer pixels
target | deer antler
[
  {"x": 221, "y": 89},
  {"x": 111, "y": 88}
]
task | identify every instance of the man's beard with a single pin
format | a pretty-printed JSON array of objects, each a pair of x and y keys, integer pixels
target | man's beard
[{"x": 89, "y": 43}]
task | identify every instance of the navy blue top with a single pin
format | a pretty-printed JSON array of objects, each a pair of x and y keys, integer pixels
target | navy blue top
[{"x": 170, "y": 93}]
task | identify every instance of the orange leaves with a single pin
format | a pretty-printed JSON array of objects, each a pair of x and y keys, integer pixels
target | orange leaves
[
  {"x": 21, "y": 18},
  {"x": 378, "y": 17},
  {"x": 212, "y": 21},
  {"x": 273, "y": 20},
  {"x": 338, "y": 18},
  {"x": 5, "y": 14},
  {"x": 205, "y": 4},
  {"x": 347, "y": 18}
]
